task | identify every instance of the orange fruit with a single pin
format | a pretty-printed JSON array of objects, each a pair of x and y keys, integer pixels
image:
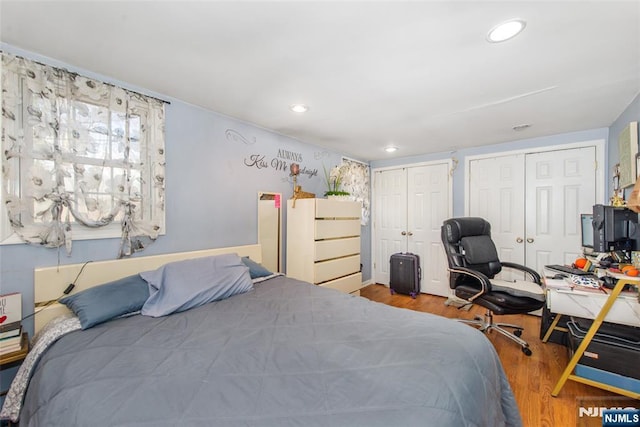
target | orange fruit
[
  {"x": 632, "y": 272},
  {"x": 580, "y": 262}
]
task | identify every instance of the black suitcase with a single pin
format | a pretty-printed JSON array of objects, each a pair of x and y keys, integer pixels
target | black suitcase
[{"x": 405, "y": 274}]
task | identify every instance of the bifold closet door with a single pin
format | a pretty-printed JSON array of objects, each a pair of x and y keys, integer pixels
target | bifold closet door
[
  {"x": 497, "y": 194},
  {"x": 411, "y": 204},
  {"x": 533, "y": 202},
  {"x": 561, "y": 185},
  {"x": 390, "y": 219}
]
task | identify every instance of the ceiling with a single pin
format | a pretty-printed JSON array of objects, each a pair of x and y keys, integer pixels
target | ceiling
[{"x": 418, "y": 75}]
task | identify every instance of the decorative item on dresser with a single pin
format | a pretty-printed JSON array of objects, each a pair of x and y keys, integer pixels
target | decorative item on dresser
[
  {"x": 334, "y": 182},
  {"x": 323, "y": 243},
  {"x": 297, "y": 189}
]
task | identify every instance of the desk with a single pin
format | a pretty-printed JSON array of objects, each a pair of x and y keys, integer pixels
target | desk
[
  {"x": 587, "y": 303},
  {"x": 591, "y": 299}
]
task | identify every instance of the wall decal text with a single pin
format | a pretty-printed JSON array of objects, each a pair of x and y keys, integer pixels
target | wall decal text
[{"x": 280, "y": 163}]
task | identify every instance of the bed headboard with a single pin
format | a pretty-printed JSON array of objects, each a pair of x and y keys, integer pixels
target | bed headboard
[{"x": 50, "y": 282}]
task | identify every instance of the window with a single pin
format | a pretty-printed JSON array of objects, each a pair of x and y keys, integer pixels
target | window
[{"x": 81, "y": 159}]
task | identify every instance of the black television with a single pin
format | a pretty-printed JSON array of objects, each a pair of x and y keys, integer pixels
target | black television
[{"x": 615, "y": 229}]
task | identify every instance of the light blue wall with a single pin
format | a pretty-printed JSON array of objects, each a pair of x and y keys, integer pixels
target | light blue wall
[
  {"x": 211, "y": 193},
  {"x": 460, "y": 155}
]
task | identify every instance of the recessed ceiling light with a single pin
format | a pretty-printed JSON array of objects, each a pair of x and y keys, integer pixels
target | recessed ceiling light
[
  {"x": 390, "y": 148},
  {"x": 299, "y": 108},
  {"x": 506, "y": 30}
]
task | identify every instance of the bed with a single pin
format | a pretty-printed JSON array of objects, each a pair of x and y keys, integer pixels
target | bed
[{"x": 284, "y": 353}]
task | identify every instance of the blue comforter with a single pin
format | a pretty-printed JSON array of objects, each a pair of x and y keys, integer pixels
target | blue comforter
[{"x": 287, "y": 353}]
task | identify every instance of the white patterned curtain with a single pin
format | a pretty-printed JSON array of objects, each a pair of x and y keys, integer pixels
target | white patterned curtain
[
  {"x": 79, "y": 155},
  {"x": 355, "y": 180}
]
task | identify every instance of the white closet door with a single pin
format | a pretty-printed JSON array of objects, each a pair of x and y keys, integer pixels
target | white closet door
[
  {"x": 428, "y": 206},
  {"x": 390, "y": 219},
  {"x": 533, "y": 202},
  {"x": 560, "y": 186},
  {"x": 497, "y": 195},
  {"x": 410, "y": 205}
]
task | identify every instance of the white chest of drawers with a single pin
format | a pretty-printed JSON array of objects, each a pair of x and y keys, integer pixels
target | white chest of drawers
[{"x": 323, "y": 243}]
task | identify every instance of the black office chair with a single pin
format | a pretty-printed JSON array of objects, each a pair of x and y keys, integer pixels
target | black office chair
[{"x": 473, "y": 264}]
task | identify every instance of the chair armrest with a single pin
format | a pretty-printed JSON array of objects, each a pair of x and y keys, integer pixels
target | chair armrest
[
  {"x": 534, "y": 274},
  {"x": 483, "y": 279}
]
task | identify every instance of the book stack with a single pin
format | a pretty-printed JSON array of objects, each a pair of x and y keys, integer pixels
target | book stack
[
  {"x": 10, "y": 337},
  {"x": 10, "y": 323}
]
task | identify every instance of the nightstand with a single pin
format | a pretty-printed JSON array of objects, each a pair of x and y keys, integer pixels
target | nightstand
[{"x": 14, "y": 358}]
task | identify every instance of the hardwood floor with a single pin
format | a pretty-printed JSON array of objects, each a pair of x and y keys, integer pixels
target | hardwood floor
[{"x": 532, "y": 378}]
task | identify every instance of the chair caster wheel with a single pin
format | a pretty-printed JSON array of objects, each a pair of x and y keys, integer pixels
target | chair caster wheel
[
  {"x": 517, "y": 332},
  {"x": 392, "y": 292},
  {"x": 413, "y": 295},
  {"x": 526, "y": 351}
]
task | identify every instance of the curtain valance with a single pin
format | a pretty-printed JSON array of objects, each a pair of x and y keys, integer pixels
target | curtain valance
[{"x": 79, "y": 156}]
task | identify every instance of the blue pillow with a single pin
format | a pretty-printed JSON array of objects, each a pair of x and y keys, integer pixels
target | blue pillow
[
  {"x": 105, "y": 302},
  {"x": 256, "y": 270},
  {"x": 181, "y": 285}
]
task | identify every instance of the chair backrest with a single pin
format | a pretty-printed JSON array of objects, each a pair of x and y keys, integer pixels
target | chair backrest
[{"x": 467, "y": 243}]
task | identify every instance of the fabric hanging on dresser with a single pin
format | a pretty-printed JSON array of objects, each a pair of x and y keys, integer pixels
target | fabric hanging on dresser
[{"x": 355, "y": 180}]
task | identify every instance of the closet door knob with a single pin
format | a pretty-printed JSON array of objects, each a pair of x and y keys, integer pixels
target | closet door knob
[
  {"x": 519, "y": 240},
  {"x": 529, "y": 240},
  {"x": 404, "y": 233},
  {"x": 410, "y": 234}
]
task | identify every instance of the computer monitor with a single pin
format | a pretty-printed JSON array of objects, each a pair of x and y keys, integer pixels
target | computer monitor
[
  {"x": 586, "y": 229},
  {"x": 615, "y": 229}
]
